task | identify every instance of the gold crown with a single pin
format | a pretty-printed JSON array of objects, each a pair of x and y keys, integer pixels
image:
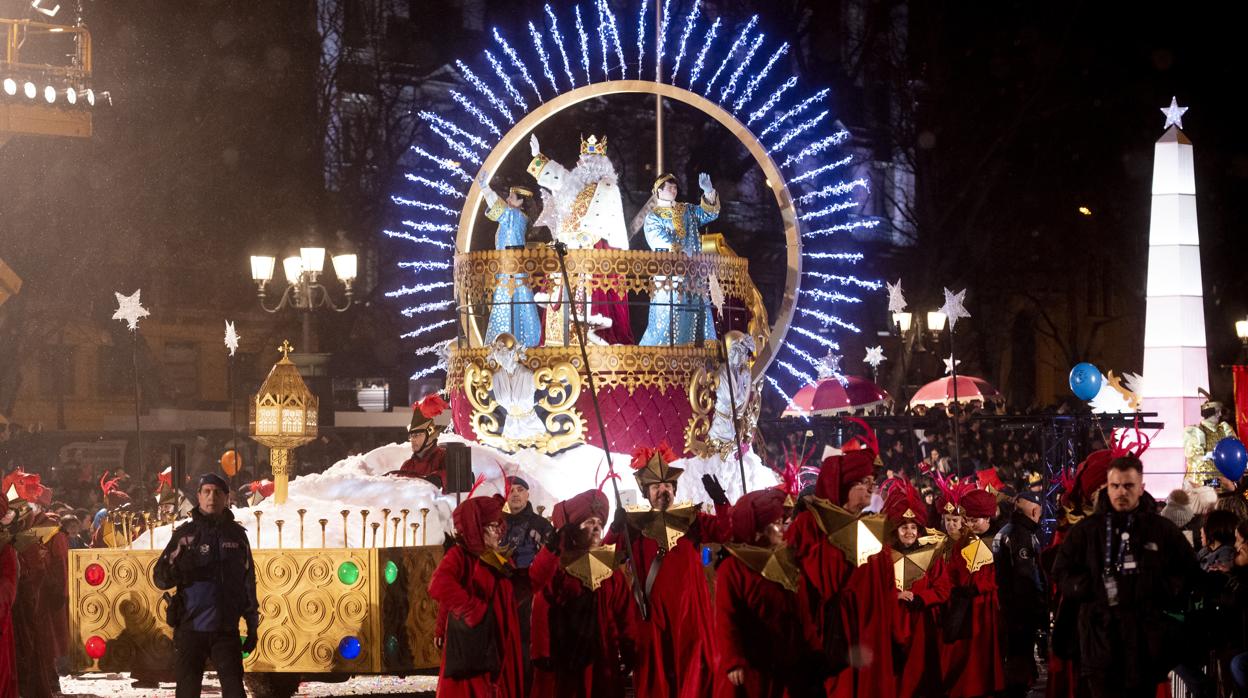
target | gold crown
[
  {"x": 661, "y": 181},
  {"x": 521, "y": 191},
  {"x": 593, "y": 146}
]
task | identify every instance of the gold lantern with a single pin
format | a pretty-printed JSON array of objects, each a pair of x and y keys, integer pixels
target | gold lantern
[{"x": 283, "y": 417}]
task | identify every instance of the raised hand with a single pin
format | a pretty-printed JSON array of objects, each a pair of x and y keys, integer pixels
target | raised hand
[
  {"x": 704, "y": 181},
  {"x": 483, "y": 179},
  {"x": 533, "y": 147}
]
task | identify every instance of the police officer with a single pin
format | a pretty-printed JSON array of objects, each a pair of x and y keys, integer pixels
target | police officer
[
  {"x": 1022, "y": 591},
  {"x": 526, "y": 533},
  {"x": 209, "y": 560}
]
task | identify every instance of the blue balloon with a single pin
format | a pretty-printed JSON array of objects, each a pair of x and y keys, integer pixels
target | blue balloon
[
  {"x": 1230, "y": 458},
  {"x": 1085, "y": 381},
  {"x": 349, "y": 647}
]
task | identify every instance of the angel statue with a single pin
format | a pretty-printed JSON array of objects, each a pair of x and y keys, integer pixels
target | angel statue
[
  {"x": 740, "y": 349},
  {"x": 583, "y": 210},
  {"x": 515, "y": 390},
  {"x": 673, "y": 226},
  {"x": 513, "y": 309}
]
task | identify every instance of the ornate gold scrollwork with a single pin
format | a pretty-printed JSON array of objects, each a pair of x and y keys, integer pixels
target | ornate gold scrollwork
[
  {"x": 702, "y": 388},
  {"x": 558, "y": 386}
]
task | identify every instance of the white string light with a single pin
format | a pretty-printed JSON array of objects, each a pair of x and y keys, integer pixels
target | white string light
[
  {"x": 506, "y": 80},
  {"x": 684, "y": 38},
  {"x": 580, "y": 32},
  {"x": 828, "y": 343},
  {"x": 418, "y": 288},
  {"x": 558, "y": 38},
  {"x": 798, "y": 130},
  {"x": 515, "y": 61},
  {"x": 817, "y": 147},
  {"x": 732, "y": 51},
  {"x": 852, "y": 257},
  {"x": 788, "y": 401},
  {"x": 828, "y": 319},
  {"x": 771, "y": 101},
  {"x": 811, "y": 174},
  {"x": 485, "y": 90},
  {"x": 662, "y": 50},
  {"x": 452, "y": 128},
  {"x": 830, "y": 296},
  {"x": 641, "y": 36},
  {"x": 418, "y": 238},
  {"x": 795, "y": 111},
  {"x": 426, "y": 227},
  {"x": 731, "y": 87},
  {"x": 706, "y": 46},
  {"x": 828, "y": 210},
  {"x": 838, "y": 189},
  {"x": 426, "y": 372},
  {"x": 857, "y": 224},
  {"x": 471, "y": 108},
  {"x": 753, "y": 83},
  {"x": 460, "y": 149},
  {"x": 424, "y": 205},
  {"x": 844, "y": 280},
  {"x": 439, "y": 186},
  {"x": 426, "y": 308},
  {"x": 444, "y": 163},
  {"x": 615, "y": 33},
  {"x": 541, "y": 54},
  {"x": 427, "y": 329},
  {"x": 424, "y": 265}
]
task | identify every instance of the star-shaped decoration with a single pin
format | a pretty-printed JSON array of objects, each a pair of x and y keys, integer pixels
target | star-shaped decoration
[
  {"x": 129, "y": 309},
  {"x": 950, "y": 364},
  {"x": 875, "y": 356},
  {"x": 830, "y": 367},
  {"x": 231, "y": 337},
  {"x": 1174, "y": 113},
  {"x": 896, "y": 301},
  {"x": 953, "y": 307},
  {"x": 717, "y": 293}
]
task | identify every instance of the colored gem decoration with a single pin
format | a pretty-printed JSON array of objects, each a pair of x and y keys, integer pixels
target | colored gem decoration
[
  {"x": 94, "y": 574},
  {"x": 96, "y": 646},
  {"x": 391, "y": 572},
  {"x": 348, "y": 573},
  {"x": 349, "y": 647}
]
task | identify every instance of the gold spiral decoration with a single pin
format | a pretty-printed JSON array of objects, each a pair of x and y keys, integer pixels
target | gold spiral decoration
[
  {"x": 278, "y": 644},
  {"x": 126, "y": 572},
  {"x": 323, "y": 652},
  {"x": 134, "y": 610},
  {"x": 352, "y": 608},
  {"x": 278, "y": 573},
  {"x": 318, "y": 571},
  {"x": 273, "y": 608},
  {"x": 93, "y": 610},
  {"x": 311, "y": 611}
]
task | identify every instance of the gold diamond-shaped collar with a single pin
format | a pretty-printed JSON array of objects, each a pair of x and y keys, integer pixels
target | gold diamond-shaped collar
[
  {"x": 858, "y": 537},
  {"x": 774, "y": 564},
  {"x": 664, "y": 527},
  {"x": 592, "y": 567},
  {"x": 977, "y": 554},
  {"x": 909, "y": 567}
]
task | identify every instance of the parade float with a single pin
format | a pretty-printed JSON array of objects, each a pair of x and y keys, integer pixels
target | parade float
[{"x": 543, "y": 377}]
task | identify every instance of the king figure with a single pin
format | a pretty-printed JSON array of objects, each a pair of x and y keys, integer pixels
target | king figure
[{"x": 673, "y": 226}]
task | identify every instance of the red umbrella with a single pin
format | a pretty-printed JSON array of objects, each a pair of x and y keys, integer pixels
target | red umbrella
[
  {"x": 828, "y": 396},
  {"x": 940, "y": 391}
]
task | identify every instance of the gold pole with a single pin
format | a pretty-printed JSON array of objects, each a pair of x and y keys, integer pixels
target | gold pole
[
  {"x": 405, "y": 512},
  {"x": 151, "y": 535},
  {"x": 258, "y": 515},
  {"x": 414, "y": 527},
  {"x": 394, "y": 536},
  {"x": 424, "y": 525},
  {"x": 363, "y": 528},
  {"x": 279, "y": 459},
  {"x": 385, "y": 514},
  {"x": 322, "y": 522},
  {"x": 301, "y": 512},
  {"x": 345, "y": 513},
  {"x": 658, "y": 98},
  {"x": 375, "y": 526},
  {"x": 279, "y": 523}
]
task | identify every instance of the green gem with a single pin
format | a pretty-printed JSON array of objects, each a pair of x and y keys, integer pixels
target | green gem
[
  {"x": 392, "y": 572},
  {"x": 392, "y": 645},
  {"x": 348, "y": 573}
]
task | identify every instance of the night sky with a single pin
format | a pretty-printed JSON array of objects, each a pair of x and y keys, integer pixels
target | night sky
[{"x": 1024, "y": 112}]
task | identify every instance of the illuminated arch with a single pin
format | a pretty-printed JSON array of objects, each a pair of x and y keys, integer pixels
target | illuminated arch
[{"x": 798, "y": 133}]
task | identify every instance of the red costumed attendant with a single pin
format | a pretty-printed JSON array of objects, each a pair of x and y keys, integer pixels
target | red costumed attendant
[
  {"x": 973, "y": 662},
  {"x": 912, "y": 553},
  {"x": 761, "y": 649},
  {"x": 675, "y": 651},
  {"x": 471, "y": 586},
  {"x": 428, "y": 458},
  {"x": 582, "y": 615}
]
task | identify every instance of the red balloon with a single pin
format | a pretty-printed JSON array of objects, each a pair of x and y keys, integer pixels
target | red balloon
[
  {"x": 94, "y": 574},
  {"x": 96, "y": 646},
  {"x": 231, "y": 461}
]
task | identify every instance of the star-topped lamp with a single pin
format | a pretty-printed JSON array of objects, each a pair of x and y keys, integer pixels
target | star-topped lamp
[
  {"x": 830, "y": 367},
  {"x": 950, "y": 364},
  {"x": 875, "y": 357},
  {"x": 130, "y": 310},
  {"x": 1174, "y": 114},
  {"x": 283, "y": 417},
  {"x": 231, "y": 337},
  {"x": 953, "y": 309}
]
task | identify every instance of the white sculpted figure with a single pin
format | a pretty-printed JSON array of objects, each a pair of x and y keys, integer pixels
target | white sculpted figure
[
  {"x": 514, "y": 389},
  {"x": 740, "y": 357}
]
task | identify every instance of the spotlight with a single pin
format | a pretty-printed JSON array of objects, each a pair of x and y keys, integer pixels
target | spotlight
[
  {"x": 71, "y": 95},
  {"x": 49, "y": 94},
  {"x": 90, "y": 97},
  {"x": 30, "y": 90},
  {"x": 10, "y": 86}
]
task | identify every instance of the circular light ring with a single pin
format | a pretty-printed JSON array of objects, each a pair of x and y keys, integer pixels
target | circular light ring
[
  {"x": 94, "y": 574},
  {"x": 10, "y": 86},
  {"x": 391, "y": 572},
  {"x": 349, "y": 648},
  {"x": 49, "y": 94},
  {"x": 30, "y": 90},
  {"x": 348, "y": 573}
]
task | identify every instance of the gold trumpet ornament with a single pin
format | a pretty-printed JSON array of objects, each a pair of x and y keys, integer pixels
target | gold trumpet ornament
[
  {"x": 301, "y": 512},
  {"x": 385, "y": 516},
  {"x": 424, "y": 525},
  {"x": 375, "y": 526},
  {"x": 279, "y": 523},
  {"x": 394, "y": 535},
  {"x": 322, "y": 522},
  {"x": 151, "y": 538},
  {"x": 405, "y": 512},
  {"x": 363, "y": 527},
  {"x": 258, "y": 515},
  {"x": 415, "y": 526},
  {"x": 345, "y": 513}
]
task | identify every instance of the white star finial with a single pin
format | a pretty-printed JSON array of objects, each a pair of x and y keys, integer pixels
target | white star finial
[
  {"x": 950, "y": 363},
  {"x": 231, "y": 337},
  {"x": 896, "y": 301},
  {"x": 875, "y": 356},
  {"x": 953, "y": 307},
  {"x": 129, "y": 309},
  {"x": 1174, "y": 113},
  {"x": 830, "y": 367}
]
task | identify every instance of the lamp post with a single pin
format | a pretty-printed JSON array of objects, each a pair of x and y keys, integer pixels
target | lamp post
[
  {"x": 304, "y": 290},
  {"x": 1241, "y": 331}
]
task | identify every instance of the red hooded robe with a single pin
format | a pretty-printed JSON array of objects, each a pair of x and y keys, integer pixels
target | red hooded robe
[
  {"x": 973, "y": 666},
  {"x": 466, "y": 586}
]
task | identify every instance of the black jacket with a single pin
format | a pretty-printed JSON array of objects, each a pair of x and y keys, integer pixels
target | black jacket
[
  {"x": 1140, "y": 638},
  {"x": 209, "y": 560},
  {"x": 526, "y": 533},
  {"x": 1021, "y": 587}
]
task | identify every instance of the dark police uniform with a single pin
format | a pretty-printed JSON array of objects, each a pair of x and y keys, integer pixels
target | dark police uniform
[{"x": 209, "y": 560}]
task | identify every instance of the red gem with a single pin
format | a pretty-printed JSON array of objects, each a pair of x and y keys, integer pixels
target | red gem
[{"x": 94, "y": 574}]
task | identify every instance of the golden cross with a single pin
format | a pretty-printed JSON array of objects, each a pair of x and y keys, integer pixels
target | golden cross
[{"x": 285, "y": 349}]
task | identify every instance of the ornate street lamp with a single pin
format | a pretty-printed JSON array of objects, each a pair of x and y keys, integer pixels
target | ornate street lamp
[
  {"x": 304, "y": 290},
  {"x": 283, "y": 417}
]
